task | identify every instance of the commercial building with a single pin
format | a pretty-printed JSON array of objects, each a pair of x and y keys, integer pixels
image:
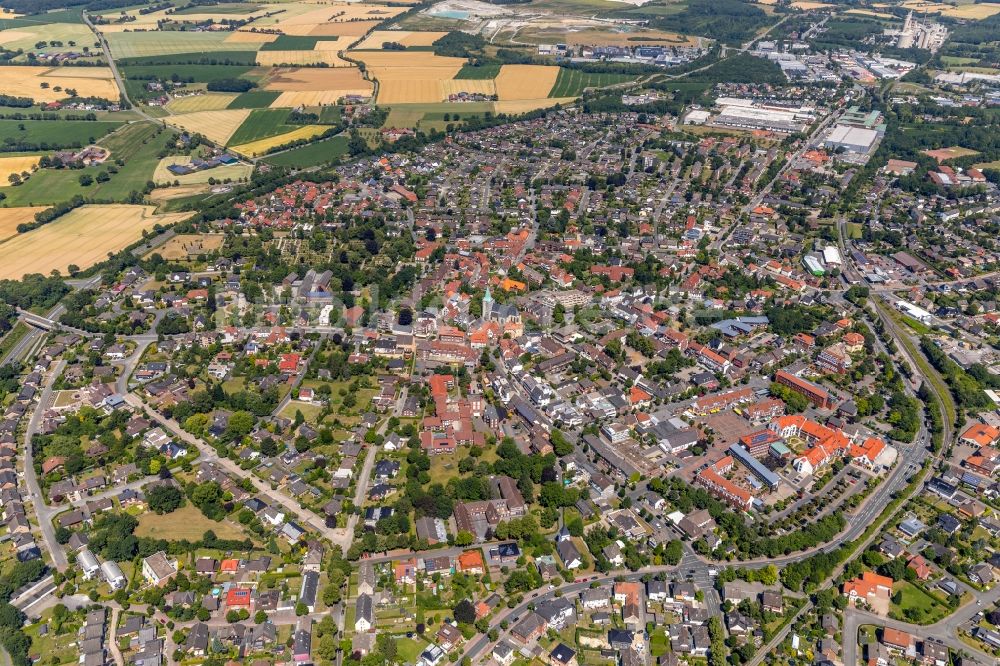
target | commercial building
[{"x": 852, "y": 139}]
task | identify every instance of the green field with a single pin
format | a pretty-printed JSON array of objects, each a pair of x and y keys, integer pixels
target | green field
[
  {"x": 135, "y": 144},
  {"x": 490, "y": 71},
  {"x": 255, "y": 99},
  {"x": 53, "y": 134},
  {"x": 261, "y": 124},
  {"x": 248, "y": 58},
  {"x": 291, "y": 43},
  {"x": 329, "y": 115},
  {"x": 184, "y": 523},
  {"x": 572, "y": 82},
  {"x": 915, "y": 605},
  {"x": 138, "y": 44},
  {"x": 313, "y": 154},
  {"x": 221, "y": 8},
  {"x": 193, "y": 73}
]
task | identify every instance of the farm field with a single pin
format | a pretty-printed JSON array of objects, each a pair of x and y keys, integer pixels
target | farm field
[
  {"x": 314, "y": 154},
  {"x": 137, "y": 44},
  {"x": 84, "y": 236},
  {"x": 489, "y": 71},
  {"x": 11, "y": 217},
  {"x": 193, "y": 103},
  {"x": 221, "y": 173},
  {"x": 26, "y": 36},
  {"x": 406, "y": 77},
  {"x": 181, "y": 245},
  {"x": 218, "y": 126},
  {"x": 164, "y": 194},
  {"x": 26, "y": 81},
  {"x": 317, "y": 21},
  {"x": 975, "y": 12},
  {"x": 572, "y": 82},
  {"x": 328, "y": 56},
  {"x": 404, "y": 37},
  {"x": 254, "y": 99},
  {"x": 260, "y": 124},
  {"x": 261, "y": 146},
  {"x": 316, "y": 86},
  {"x": 414, "y": 115},
  {"x": 16, "y": 165},
  {"x": 517, "y": 106},
  {"x": 525, "y": 82},
  {"x": 603, "y": 36},
  {"x": 53, "y": 134}
]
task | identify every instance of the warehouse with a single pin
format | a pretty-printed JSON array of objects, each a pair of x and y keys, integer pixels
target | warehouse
[
  {"x": 851, "y": 139},
  {"x": 911, "y": 310}
]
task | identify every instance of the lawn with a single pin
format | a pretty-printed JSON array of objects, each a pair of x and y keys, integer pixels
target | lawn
[
  {"x": 409, "y": 649},
  {"x": 915, "y": 605},
  {"x": 184, "y": 523},
  {"x": 309, "y": 411}
]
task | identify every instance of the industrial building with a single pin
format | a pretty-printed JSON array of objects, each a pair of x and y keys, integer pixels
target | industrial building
[
  {"x": 750, "y": 114},
  {"x": 857, "y": 140},
  {"x": 917, "y": 312}
]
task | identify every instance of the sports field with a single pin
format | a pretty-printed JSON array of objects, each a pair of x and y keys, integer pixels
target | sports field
[
  {"x": 524, "y": 82},
  {"x": 11, "y": 217},
  {"x": 261, "y": 146},
  {"x": 209, "y": 102},
  {"x": 232, "y": 172},
  {"x": 18, "y": 165},
  {"x": 28, "y": 81},
  {"x": 84, "y": 236},
  {"x": 943, "y": 154},
  {"x": 218, "y": 126}
]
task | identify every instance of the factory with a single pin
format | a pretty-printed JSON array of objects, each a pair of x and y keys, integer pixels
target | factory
[
  {"x": 751, "y": 114},
  {"x": 921, "y": 35},
  {"x": 831, "y": 256}
]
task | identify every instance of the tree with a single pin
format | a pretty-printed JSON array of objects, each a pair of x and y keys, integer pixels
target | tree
[
  {"x": 327, "y": 648},
  {"x": 464, "y": 538},
  {"x": 164, "y": 499},
  {"x": 673, "y": 553},
  {"x": 464, "y": 612},
  {"x": 405, "y": 317}
]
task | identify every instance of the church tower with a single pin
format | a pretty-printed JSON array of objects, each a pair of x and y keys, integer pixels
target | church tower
[{"x": 487, "y": 304}]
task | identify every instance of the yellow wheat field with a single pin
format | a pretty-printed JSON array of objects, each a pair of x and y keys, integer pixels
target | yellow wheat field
[
  {"x": 231, "y": 172},
  {"x": 315, "y": 57},
  {"x": 348, "y": 29},
  {"x": 292, "y": 98},
  {"x": 14, "y": 35},
  {"x": 183, "y": 246},
  {"x": 193, "y": 103},
  {"x": 868, "y": 12},
  {"x": 518, "y": 82},
  {"x": 260, "y": 147},
  {"x": 336, "y": 81},
  {"x": 83, "y": 237},
  {"x": 161, "y": 194},
  {"x": 11, "y": 217},
  {"x": 217, "y": 126},
  {"x": 410, "y": 91},
  {"x": 26, "y": 81},
  {"x": 251, "y": 38},
  {"x": 398, "y": 60},
  {"x": 806, "y": 5},
  {"x": 17, "y": 164},
  {"x": 305, "y": 23},
  {"x": 474, "y": 86},
  {"x": 404, "y": 37},
  {"x": 525, "y": 105}
]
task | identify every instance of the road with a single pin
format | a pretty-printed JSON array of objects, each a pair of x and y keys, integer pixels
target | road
[
  {"x": 43, "y": 512},
  {"x": 943, "y": 631}
]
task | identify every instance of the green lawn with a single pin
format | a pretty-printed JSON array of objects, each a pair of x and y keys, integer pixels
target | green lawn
[
  {"x": 12, "y": 337},
  {"x": 409, "y": 649},
  {"x": 915, "y": 605}
]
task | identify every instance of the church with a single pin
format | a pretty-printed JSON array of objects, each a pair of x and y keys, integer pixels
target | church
[{"x": 498, "y": 319}]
